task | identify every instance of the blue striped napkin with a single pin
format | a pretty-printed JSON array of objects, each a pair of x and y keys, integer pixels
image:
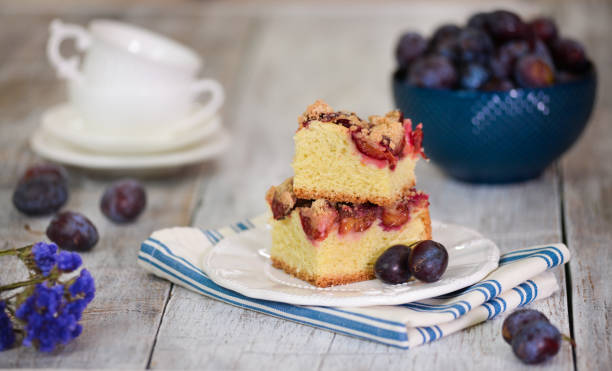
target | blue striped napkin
[{"x": 522, "y": 277}]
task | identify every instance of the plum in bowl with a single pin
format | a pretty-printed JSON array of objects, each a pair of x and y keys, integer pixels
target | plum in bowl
[{"x": 497, "y": 104}]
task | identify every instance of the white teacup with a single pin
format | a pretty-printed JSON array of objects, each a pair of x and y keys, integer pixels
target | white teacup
[{"x": 132, "y": 78}]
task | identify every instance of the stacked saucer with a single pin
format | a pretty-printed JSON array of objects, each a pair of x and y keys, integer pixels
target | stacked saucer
[{"x": 65, "y": 137}]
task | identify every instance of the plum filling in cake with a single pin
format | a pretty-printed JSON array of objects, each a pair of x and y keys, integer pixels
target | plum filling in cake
[
  {"x": 356, "y": 218},
  {"x": 394, "y": 217},
  {"x": 382, "y": 140},
  {"x": 319, "y": 217},
  {"x": 281, "y": 199}
]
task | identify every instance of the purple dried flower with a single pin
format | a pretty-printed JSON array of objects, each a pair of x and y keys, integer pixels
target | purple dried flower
[
  {"x": 51, "y": 316},
  {"x": 76, "y": 308},
  {"x": 68, "y": 261},
  {"x": 49, "y": 311},
  {"x": 45, "y": 256},
  {"x": 7, "y": 336},
  {"x": 84, "y": 286}
]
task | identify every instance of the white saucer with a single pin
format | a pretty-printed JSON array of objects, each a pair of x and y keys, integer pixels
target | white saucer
[
  {"x": 241, "y": 263},
  {"x": 49, "y": 147},
  {"x": 63, "y": 122}
]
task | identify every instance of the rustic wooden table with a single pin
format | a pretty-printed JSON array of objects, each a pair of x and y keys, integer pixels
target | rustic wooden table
[{"x": 274, "y": 59}]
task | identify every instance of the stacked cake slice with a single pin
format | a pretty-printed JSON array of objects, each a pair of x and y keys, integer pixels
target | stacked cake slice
[{"x": 351, "y": 198}]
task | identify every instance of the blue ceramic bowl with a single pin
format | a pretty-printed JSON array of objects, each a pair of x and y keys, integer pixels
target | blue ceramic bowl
[{"x": 498, "y": 137}]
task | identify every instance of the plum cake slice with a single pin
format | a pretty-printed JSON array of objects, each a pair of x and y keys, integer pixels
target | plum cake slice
[{"x": 340, "y": 157}]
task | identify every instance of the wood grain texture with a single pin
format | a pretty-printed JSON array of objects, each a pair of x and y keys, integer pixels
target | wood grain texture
[
  {"x": 587, "y": 187},
  {"x": 327, "y": 63},
  {"x": 120, "y": 325}
]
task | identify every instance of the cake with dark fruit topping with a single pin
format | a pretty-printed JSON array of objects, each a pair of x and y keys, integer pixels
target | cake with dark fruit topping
[
  {"x": 330, "y": 242},
  {"x": 340, "y": 157}
]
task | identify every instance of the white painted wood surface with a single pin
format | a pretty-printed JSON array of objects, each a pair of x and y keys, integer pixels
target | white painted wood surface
[
  {"x": 274, "y": 60},
  {"x": 587, "y": 183}
]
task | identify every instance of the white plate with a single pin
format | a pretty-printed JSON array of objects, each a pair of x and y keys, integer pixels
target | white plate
[
  {"x": 64, "y": 123},
  {"x": 241, "y": 263},
  {"x": 49, "y": 147}
]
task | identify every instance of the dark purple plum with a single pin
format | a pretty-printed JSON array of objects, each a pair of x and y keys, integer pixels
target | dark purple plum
[
  {"x": 569, "y": 55},
  {"x": 565, "y": 76},
  {"x": 434, "y": 71},
  {"x": 519, "y": 319},
  {"x": 51, "y": 171},
  {"x": 392, "y": 265},
  {"x": 428, "y": 261},
  {"x": 478, "y": 20},
  {"x": 502, "y": 63},
  {"x": 473, "y": 76},
  {"x": 539, "y": 48},
  {"x": 72, "y": 231},
  {"x": 40, "y": 195},
  {"x": 504, "y": 26},
  {"x": 495, "y": 84},
  {"x": 123, "y": 201},
  {"x": 448, "y": 48},
  {"x": 532, "y": 71},
  {"x": 545, "y": 29},
  {"x": 444, "y": 32},
  {"x": 536, "y": 342},
  {"x": 494, "y": 51},
  {"x": 409, "y": 47},
  {"x": 42, "y": 189},
  {"x": 474, "y": 45}
]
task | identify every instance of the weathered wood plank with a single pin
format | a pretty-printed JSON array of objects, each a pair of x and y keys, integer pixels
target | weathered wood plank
[
  {"x": 121, "y": 323},
  {"x": 293, "y": 60},
  {"x": 588, "y": 203},
  {"x": 223, "y": 50}
]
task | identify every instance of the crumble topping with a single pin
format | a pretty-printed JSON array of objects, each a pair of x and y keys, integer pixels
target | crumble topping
[
  {"x": 381, "y": 137},
  {"x": 321, "y": 111},
  {"x": 281, "y": 199},
  {"x": 387, "y": 130}
]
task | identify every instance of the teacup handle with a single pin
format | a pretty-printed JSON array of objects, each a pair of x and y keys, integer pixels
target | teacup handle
[
  {"x": 217, "y": 97},
  {"x": 67, "y": 68}
]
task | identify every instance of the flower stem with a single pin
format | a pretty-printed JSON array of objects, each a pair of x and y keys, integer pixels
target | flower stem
[
  {"x": 16, "y": 285},
  {"x": 9, "y": 297},
  {"x": 569, "y": 340},
  {"x": 8, "y": 252},
  {"x": 15, "y": 251}
]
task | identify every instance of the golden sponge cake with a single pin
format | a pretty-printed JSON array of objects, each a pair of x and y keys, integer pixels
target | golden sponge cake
[
  {"x": 331, "y": 243},
  {"x": 342, "y": 158}
]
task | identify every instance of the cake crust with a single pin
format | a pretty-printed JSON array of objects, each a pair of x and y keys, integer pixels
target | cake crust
[{"x": 324, "y": 281}]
